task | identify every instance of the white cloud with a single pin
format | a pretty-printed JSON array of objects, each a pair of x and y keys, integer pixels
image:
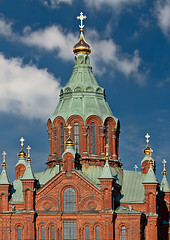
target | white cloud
[
  {"x": 107, "y": 54},
  {"x": 5, "y": 28},
  {"x": 26, "y": 90},
  {"x": 162, "y": 12},
  {"x": 55, "y": 3},
  {"x": 114, "y": 4},
  {"x": 52, "y": 38}
]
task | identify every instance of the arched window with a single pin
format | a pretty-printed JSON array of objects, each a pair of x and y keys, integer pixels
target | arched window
[
  {"x": 42, "y": 233},
  {"x": 69, "y": 200},
  {"x": 87, "y": 233},
  {"x": 52, "y": 233},
  {"x": 123, "y": 233},
  {"x": 76, "y": 136},
  {"x": 97, "y": 233},
  {"x": 19, "y": 233},
  {"x": 106, "y": 134},
  {"x": 93, "y": 145},
  {"x": 62, "y": 137}
]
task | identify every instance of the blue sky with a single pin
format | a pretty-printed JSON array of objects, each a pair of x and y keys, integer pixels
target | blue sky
[{"x": 130, "y": 57}]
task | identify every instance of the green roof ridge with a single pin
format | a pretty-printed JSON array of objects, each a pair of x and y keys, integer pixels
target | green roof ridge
[
  {"x": 150, "y": 176},
  {"x": 28, "y": 174},
  {"x": 164, "y": 185},
  {"x": 106, "y": 173},
  {"x": 22, "y": 160},
  {"x": 82, "y": 95},
  {"x": 4, "y": 179},
  {"x": 70, "y": 149}
]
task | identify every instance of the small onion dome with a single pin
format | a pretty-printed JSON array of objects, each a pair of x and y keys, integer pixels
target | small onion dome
[
  {"x": 147, "y": 150},
  {"x": 69, "y": 142},
  {"x": 29, "y": 159},
  {"x": 82, "y": 46},
  {"x": 4, "y": 164},
  {"x": 22, "y": 153}
]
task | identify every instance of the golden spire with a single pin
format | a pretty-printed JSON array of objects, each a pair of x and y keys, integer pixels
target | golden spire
[
  {"x": 69, "y": 141},
  {"x": 29, "y": 158},
  {"x": 164, "y": 173},
  {"x": 4, "y": 163},
  {"x": 82, "y": 46},
  {"x": 150, "y": 160},
  {"x": 22, "y": 153},
  {"x": 147, "y": 149},
  {"x": 107, "y": 152}
]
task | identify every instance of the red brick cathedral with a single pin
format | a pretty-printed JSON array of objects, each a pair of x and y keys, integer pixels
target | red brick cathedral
[{"x": 84, "y": 194}]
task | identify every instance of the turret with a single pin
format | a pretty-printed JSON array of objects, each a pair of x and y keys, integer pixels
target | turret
[
  {"x": 28, "y": 182},
  {"x": 145, "y": 162},
  {"x": 4, "y": 187},
  {"x": 69, "y": 154},
  {"x": 22, "y": 163},
  {"x": 106, "y": 181},
  {"x": 83, "y": 105}
]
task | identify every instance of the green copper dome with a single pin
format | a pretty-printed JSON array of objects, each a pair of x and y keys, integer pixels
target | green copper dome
[{"x": 82, "y": 95}]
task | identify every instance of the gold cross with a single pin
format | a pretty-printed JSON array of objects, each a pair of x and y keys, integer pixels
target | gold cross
[
  {"x": 28, "y": 148},
  {"x": 4, "y": 154},
  {"x": 81, "y": 17},
  {"x": 147, "y": 138},
  {"x": 69, "y": 129},
  {"x": 22, "y": 141},
  {"x": 107, "y": 149},
  {"x": 164, "y": 162}
]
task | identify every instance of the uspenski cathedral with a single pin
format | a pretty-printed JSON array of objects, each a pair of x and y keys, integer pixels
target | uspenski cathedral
[{"x": 84, "y": 193}]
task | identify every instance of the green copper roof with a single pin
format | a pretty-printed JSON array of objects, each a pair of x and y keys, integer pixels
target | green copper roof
[
  {"x": 132, "y": 188},
  {"x": 147, "y": 158},
  {"x": 82, "y": 96},
  {"x": 106, "y": 173},
  {"x": 28, "y": 174},
  {"x": 123, "y": 209},
  {"x": 164, "y": 185},
  {"x": 150, "y": 176},
  {"x": 69, "y": 149},
  {"x": 17, "y": 192},
  {"x": 4, "y": 177},
  {"x": 22, "y": 160}
]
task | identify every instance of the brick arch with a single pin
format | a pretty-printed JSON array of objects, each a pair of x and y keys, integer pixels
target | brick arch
[
  {"x": 120, "y": 229},
  {"x": 91, "y": 203},
  {"x": 58, "y": 120},
  {"x": 98, "y": 122},
  {"x": 110, "y": 122},
  {"x": 94, "y": 118},
  {"x": 76, "y": 189},
  {"x": 16, "y": 230},
  {"x": 51, "y": 224},
  {"x": 42, "y": 224},
  {"x": 97, "y": 223},
  {"x": 47, "y": 203},
  {"x": 71, "y": 120},
  {"x": 106, "y": 188}
]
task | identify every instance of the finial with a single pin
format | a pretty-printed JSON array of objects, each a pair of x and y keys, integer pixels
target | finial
[
  {"x": 69, "y": 141},
  {"x": 164, "y": 173},
  {"x": 81, "y": 17},
  {"x": 107, "y": 152},
  {"x": 82, "y": 46},
  {"x": 150, "y": 160},
  {"x": 69, "y": 130},
  {"x": 4, "y": 162},
  {"x": 147, "y": 136},
  {"x": 29, "y": 158},
  {"x": 135, "y": 167},
  {"x": 22, "y": 153},
  {"x": 147, "y": 149}
]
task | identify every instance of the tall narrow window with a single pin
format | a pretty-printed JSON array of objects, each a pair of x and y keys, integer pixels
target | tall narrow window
[
  {"x": 106, "y": 134},
  {"x": 19, "y": 232},
  {"x": 62, "y": 137},
  {"x": 76, "y": 136},
  {"x": 123, "y": 233},
  {"x": 69, "y": 200},
  {"x": 52, "y": 233},
  {"x": 70, "y": 230},
  {"x": 93, "y": 145},
  {"x": 97, "y": 233},
  {"x": 42, "y": 233},
  {"x": 87, "y": 233}
]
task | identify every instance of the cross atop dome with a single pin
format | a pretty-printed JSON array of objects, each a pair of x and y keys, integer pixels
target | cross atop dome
[
  {"x": 147, "y": 136},
  {"x": 22, "y": 153},
  {"x": 22, "y": 141},
  {"x": 4, "y": 162},
  {"x": 164, "y": 170},
  {"x": 135, "y": 167},
  {"x": 81, "y": 17}
]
